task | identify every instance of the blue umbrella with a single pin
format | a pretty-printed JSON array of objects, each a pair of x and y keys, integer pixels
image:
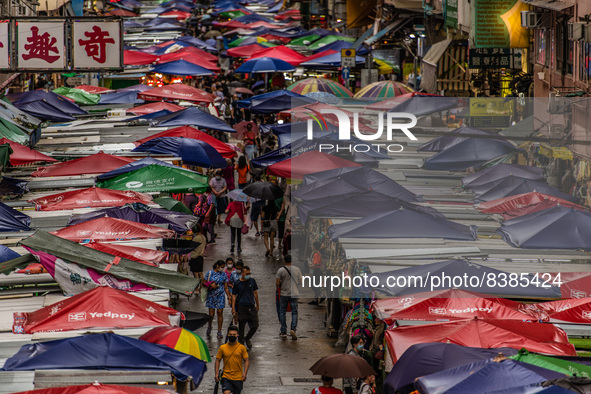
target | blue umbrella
[
  {"x": 195, "y": 42},
  {"x": 135, "y": 165},
  {"x": 162, "y": 50},
  {"x": 238, "y": 195},
  {"x": 195, "y": 152},
  {"x": 181, "y": 67},
  {"x": 333, "y": 60},
  {"x": 43, "y": 110},
  {"x": 129, "y": 97},
  {"x": 278, "y": 103},
  {"x": 264, "y": 65},
  {"x": 193, "y": 116}
]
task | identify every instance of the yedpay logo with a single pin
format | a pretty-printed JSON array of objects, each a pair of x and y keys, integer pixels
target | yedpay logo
[{"x": 345, "y": 130}]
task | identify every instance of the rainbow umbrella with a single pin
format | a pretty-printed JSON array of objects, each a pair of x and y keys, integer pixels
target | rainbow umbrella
[
  {"x": 383, "y": 89},
  {"x": 246, "y": 40},
  {"x": 310, "y": 85},
  {"x": 179, "y": 339}
]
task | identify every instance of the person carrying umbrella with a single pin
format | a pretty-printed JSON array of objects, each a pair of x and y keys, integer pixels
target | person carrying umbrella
[{"x": 234, "y": 356}]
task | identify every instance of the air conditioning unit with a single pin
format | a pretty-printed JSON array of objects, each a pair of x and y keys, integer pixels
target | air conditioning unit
[
  {"x": 556, "y": 130},
  {"x": 530, "y": 19},
  {"x": 575, "y": 31}
]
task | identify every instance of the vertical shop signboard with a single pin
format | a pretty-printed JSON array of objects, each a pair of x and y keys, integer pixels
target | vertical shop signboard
[
  {"x": 41, "y": 45},
  {"x": 4, "y": 45},
  {"x": 497, "y": 24},
  {"x": 96, "y": 45},
  {"x": 451, "y": 13}
]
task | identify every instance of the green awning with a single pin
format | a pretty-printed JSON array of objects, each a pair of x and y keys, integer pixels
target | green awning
[
  {"x": 327, "y": 40},
  {"x": 12, "y": 132},
  {"x": 304, "y": 41},
  {"x": 155, "y": 178},
  {"x": 79, "y": 96},
  {"x": 555, "y": 364},
  {"x": 6, "y": 267},
  {"x": 127, "y": 269}
]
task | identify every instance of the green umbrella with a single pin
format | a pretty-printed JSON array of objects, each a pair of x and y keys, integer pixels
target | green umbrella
[
  {"x": 327, "y": 40},
  {"x": 232, "y": 14},
  {"x": 172, "y": 205},
  {"x": 12, "y": 132},
  {"x": 79, "y": 96},
  {"x": 555, "y": 364},
  {"x": 304, "y": 41},
  {"x": 155, "y": 178}
]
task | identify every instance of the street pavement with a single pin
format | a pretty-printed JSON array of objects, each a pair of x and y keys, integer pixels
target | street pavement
[{"x": 274, "y": 362}]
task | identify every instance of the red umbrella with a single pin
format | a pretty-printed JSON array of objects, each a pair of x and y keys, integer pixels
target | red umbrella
[
  {"x": 111, "y": 229},
  {"x": 94, "y": 164},
  {"x": 92, "y": 197},
  {"x": 94, "y": 89},
  {"x": 179, "y": 14},
  {"x": 24, "y": 155},
  {"x": 245, "y": 51},
  {"x": 177, "y": 91},
  {"x": 154, "y": 107},
  {"x": 281, "y": 52},
  {"x": 244, "y": 90},
  {"x": 308, "y": 163},
  {"x": 195, "y": 51},
  {"x": 523, "y": 204},
  {"x": 138, "y": 58},
  {"x": 190, "y": 57},
  {"x": 241, "y": 128},
  {"x": 97, "y": 388},
  {"x": 271, "y": 37}
]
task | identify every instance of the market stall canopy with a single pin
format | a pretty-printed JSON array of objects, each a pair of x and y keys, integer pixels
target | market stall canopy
[
  {"x": 142, "y": 255},
  {"x": 424, "y": 359},
  {"x": 44, "y": 110},
  {"x": 554, "y": 228},
  {"x": 13, "y": 186},
  {"x": 461, "y": 267},
  {"x": 307, "y": 163},
  {"x": 181, "y": 67},
  {"x": 55, "y": 100},
  {"x": 301, "y": 128},
  {"x": 513, "y": 185},
  {"x": 78, "y": 96},
  {"x": 107, "y": 352},
  {"x": 332, "y": 60},
  {"x": 246, "y": 51},
  {"x": 574, "y": 310},
  {"x": 501, "y": 171},
  {"x": 120, "y": 98},
  {"x": 135, "y": 88},
  {"x": 446, "y": 305},
  {"x": 93, "y": 164},
  {"x": 473, "y": 152},
  {"x": 383, "y": 89},
  {"x": 425, "y": 105},
  {"x": 177, "y": 91},
  {"x": 264, "y": 65},
  {"x": 99, "y": 261},
  {"x": 97, "y": 388},
  {"x": 192, "y": 58},
  {"x": 94, "y": 89},
  {"x": 13, "y": 220},
  {"x": 279, "y": 102},
  {"x": 92, "y": 197},
  {"x": 246, "y": 103},
  {"x": 111, "y": 229},
  {"x": 23, "y": 155},
  {"x": 154, "y": 107},
  {"x": 309, "y": 85},
  {"x": 402, "y": 223},
  {"x": 523, "y": 204},
  {"x": 157, "y": 178},
  {"x": 193, "y": 116},
  {"x": 486, "y": 375},
  {"x": 446, "y": 141},
  {"x": 179, "y": 339},
  {"x": 280, "y": 52},
  {"x": 189, "y": 132},
  {"x": 191, "y": 151},
  {"x": 486, "y": 333},
  {"x": 99, "y": 308},
  {"x": 324, "y": 41},
  {"x": 387, "y": 104},
  {"x": 136, "y": 165},
  {"x": 565, "y": 367},
  {"x": 140, "y": 213}
]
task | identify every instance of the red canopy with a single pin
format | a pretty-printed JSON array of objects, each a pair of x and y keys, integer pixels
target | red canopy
[
  {"x": 177, "y": 91},
  {"x": 137, "y": 58},
  {"x": 573, "y": 284},
  {"x": 154, "y": 107},
  {"x": 270, "y": 37},
  {"x": 281, "y": 52},
  {"x": 191, "y": 132},
  {"x": 308, "y": 163},
  {"x": 92, "y": 197},
  {"x": 256, "y": 24},
  {"x": 190, "y": 57},
  {"x": 102, "y": 307},
  {"x": 93, "y": 89},
  {"x": 178, "y": 13},
  {"x": 24, "y": 155},
  {"x": 244, "y": 51},
  {"x": 195, "y": 51},
  {"x": 390, "y": 103},
  {"x": 98, "y": 163},
  {"x": 305, "y": 112},
  {"x": 231, "y": 24},
  {"x": 141, "y": 255},
  {"x": 111, "y": 229},
  {"x": 96, "y": 388},
  {"x": 445, "y": 305},
  {"x": 535, "y": 337},
  {"x": 522, "y": 204}
]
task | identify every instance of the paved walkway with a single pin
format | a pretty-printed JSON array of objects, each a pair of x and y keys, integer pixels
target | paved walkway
[{"x": 274, "y": 362}]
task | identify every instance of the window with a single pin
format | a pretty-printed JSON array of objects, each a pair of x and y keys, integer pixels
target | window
[
  {"x": 585, "y": 62},
  {"x": 564, "y": 49},
  {"x": 542, "y": 47}
]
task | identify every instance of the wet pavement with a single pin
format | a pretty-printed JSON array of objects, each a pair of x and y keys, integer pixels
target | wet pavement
[{"x": 274, "y": 362}]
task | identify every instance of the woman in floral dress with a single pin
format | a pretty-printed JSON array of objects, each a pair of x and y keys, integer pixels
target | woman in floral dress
[{"x": 216, "y": 283}]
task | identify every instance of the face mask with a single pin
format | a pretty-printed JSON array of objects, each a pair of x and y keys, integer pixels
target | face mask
[
  {"x": 360, "y": 347},
  {"x": 229, "y": 266},
  {"x": 218, "y": 177},
  {"x": 247, "y": 277},
  {"x": 232, "y": 339}
]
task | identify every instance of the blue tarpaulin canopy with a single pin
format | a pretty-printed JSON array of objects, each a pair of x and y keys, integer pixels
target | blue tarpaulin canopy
[
  {"x": 461, "y": 268},
  {"x": 108, "y": 352},
  {"x": 54, "y": 99},
  {"x": 402, "y": 223},
  {"x": 301, "y": 128},
  {"x": 264, "y": 65},
  {"x": 278, "y": 103},
  {"x": 181, "y": 67},
  {"x": 136, "y": 165},
  {"x": 245, "y": 103},
  {"x": 332, "y": 60},
  {"x": 7, "y": 254},
  {"x": 500, "y": 171},
  {"x": 484, "y": 376},
  {"x": 196, "y": 43},
  {"x": 553, "y": 228},
  {"x": 43, "y": 110},
  {"x": 426, "y": 358},
  {"x": 129, "y": 97},
  {"x": 473, "y": 152},
  {"x": 152, "y": 115},
  {"x": 13, "y": 220},
  {"x": 195, "y": 152},
  {"x": 445, "y": 141},
  {"x": 13, "y": 186},
  {"x": 194, "y": 116},
  {"x": 513, "y": 185},
  {"x": 140, "y": 213},
  {"x": 425, "y": 105}
]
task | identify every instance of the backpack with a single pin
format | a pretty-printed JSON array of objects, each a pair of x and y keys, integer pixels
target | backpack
[
  {"x": 227, "y": 111},
  {"x": 202, "y": 207}
]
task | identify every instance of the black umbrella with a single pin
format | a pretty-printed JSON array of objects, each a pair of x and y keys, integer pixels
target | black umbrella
[
  {"x": 342, "y": 366},
  {"x": 263, "y": 191}
]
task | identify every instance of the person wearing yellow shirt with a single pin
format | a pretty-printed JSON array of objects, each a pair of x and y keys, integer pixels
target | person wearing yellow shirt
[{"x": 235, "y": 357}]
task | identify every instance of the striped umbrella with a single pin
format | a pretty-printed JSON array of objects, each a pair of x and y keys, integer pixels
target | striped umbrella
[
  {"x": 179, "y": 339},
  {"x": 309, "y": 85},
  {"x": 383, "y": 89}
]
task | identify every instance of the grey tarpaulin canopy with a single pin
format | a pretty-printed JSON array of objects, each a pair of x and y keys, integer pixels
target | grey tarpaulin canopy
[
  {"x": 425, "y": 105},
  {"x": 99, "y": 261},
  {"x": 513, "y": 185},
  {"x": 501, "y": 171},
  {"x": 445, "y": 141}
]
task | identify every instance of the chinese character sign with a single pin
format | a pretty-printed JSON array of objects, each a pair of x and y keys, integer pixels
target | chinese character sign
[
  {"x": 96, "y": 44},
  {"x": 4, "y": 45},
  {"x": 41, "y": 45},
  {"x": 497, "y": 24}
]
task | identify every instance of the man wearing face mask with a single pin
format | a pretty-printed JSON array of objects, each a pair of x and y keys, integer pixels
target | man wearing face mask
[
  {"x": 219, "y": 188},
  {"x": 245, "y": 306},
  {"x": 357, "y": 349},
  {"x": 234, "y": 355}
]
